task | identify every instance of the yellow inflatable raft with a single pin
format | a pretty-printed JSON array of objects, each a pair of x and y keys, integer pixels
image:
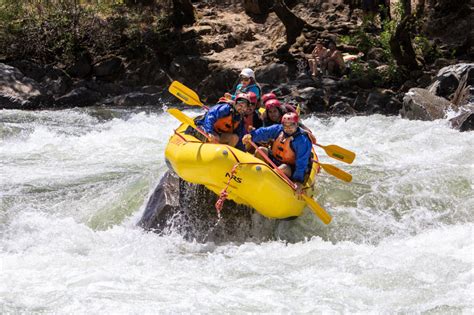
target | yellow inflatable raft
[{"x": 247, "y": 180}]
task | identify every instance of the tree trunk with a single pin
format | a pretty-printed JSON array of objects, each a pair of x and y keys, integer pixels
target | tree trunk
[
  {"x": 293, "y": 24},
  {"x": 131, "y": 3},
  {"x": 183, "y": 13},
  {"x": 406, "y": 7},
  {"x": 401, "y": 43}
]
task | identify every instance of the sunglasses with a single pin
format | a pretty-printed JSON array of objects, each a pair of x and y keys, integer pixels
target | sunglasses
[
  {"x": 244, "y": 78},
  {"x": 242, "y": 103}
]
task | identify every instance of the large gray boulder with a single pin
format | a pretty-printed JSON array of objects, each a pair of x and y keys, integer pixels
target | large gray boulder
[
  {"x": 18, "y": 91},
  {"x": 272, "y": 74},
  {"x": 448, "y": 78},
  {"x": 177, "y": 206},
  {"x": 421, "y": 104}
]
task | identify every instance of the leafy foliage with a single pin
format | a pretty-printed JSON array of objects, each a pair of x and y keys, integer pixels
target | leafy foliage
[{"x": 60, "y": 31}]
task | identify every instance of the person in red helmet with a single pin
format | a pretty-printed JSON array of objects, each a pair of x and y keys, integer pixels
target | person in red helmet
[
  {"x": 291, "y": 148},
  {"x": 273, "y": 112},
  {"x": 224, "y": 121},
  {"x": 252, "y": 118},
  {"x": 268, "y": 96}
]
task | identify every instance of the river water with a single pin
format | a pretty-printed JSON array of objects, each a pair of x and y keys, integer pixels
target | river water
[{"x": 75, "y": 182}]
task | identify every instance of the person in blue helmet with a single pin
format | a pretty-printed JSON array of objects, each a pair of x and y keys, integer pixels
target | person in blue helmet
[
  {"x": 291, "y": 148},
  {"x": 224, "y": 121},
  {"x": 247, "y": 84}
]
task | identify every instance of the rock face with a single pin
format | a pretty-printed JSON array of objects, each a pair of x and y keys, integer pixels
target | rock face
[
  {"x": 431, "y": 103},
  {"x": 17, "y": 90},
  {"x": 448, "y": 78},
  {"x": 188, "y": 209},
  {"x": 424, "y": 105},
  {"x": 465, "y": 120}
]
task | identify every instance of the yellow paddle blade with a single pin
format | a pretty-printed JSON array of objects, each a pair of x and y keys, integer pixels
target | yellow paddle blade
[
  {"x": 185, "y": 94},
  {"x": 318, "y": 210},
  {"x": 336, "y": 172},
  {"x": 179, "y": 115},
  {"x": 182, "y": 117},
  {"x": 338, "y": 153}
]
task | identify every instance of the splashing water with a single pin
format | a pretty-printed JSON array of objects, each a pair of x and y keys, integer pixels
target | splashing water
[{"x": 75, "y": 182}]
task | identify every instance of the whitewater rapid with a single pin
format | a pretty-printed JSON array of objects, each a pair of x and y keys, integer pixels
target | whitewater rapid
[{"x": 75, "y": 182}]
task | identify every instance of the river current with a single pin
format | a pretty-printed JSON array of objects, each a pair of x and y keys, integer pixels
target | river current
[{"x": 75, "y": 182}]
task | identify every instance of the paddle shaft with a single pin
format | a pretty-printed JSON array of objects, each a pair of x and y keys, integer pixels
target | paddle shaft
[
  {"x": 335, "y": 171},
  {"x": 317, "y": 209},
  {"x": 176, "y": 113},
  {"x": 292, "y": 185}
]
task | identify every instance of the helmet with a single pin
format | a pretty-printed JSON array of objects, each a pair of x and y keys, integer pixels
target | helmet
[
  {"x": 268, "y": 96},
  {"x": 290, "y": 118},
  {"x": 247, "y": 72},
  {"x": 290, "y": 108},
  {"x": 252, "y": 97},
  {"x": 272, "y": 103},
  {"x": 242, "y": 96}
]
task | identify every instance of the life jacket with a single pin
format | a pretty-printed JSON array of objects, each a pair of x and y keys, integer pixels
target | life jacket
[
  {"x": 282, "y": 151},
  {"x": 226, "y": 124},
  {"x": 248, "y": 122},
  {"x": 252, "y": 121}
]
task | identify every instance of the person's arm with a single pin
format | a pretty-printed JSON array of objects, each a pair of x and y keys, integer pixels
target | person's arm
[
  {"x": 339, "y": 59},
  {"x": 302, "y": 147},
  {"x": 314, "y": 53},
  {"x": 241, "y": 132},
  {"x": 213, "y": 115},
  {"x": 236, "y": 91},
  {"x": 266, "y": 133}
]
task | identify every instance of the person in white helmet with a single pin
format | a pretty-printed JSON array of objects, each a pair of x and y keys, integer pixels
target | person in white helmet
[{"x": 247, "y": 84}]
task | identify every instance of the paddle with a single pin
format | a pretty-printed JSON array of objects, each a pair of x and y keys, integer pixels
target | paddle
[
  {"x": 185, "y": 94},
  {"x": 190, "y": 97},
  {"x": 317, "y": 209},
  {"x": 338, "y": 153},
  {"x": 182, "y": 117},
  {"x": 335, "y": 171}
]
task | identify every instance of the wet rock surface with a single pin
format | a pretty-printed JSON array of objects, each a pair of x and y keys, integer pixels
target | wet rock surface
[{"x": 188, "y": 209}]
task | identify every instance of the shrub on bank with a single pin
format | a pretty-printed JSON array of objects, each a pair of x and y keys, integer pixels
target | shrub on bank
[{"x": 61, "y": 31}]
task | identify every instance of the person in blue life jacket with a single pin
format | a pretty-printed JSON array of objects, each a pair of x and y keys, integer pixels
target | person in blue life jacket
[
  {"x": 247, "y": 84},
  {"x": 224, "y": 121},
  {"x": 291, "y": 148}
]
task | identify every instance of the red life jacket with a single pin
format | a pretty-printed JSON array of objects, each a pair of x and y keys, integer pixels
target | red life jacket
[
  {"x": 248, "y": 122},
  {"x": 282, "y": 150},
  {"x": 226, "y": 124}
]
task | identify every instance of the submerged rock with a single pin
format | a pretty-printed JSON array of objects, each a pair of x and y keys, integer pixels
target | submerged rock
[
  {"x": 188, "y": 209},
  {"x": 464, "y": 121},
  {"x": 423, "y": 105}
]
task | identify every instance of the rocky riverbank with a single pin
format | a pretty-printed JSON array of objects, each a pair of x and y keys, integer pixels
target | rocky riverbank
[{"x": 208, "y": 56}]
